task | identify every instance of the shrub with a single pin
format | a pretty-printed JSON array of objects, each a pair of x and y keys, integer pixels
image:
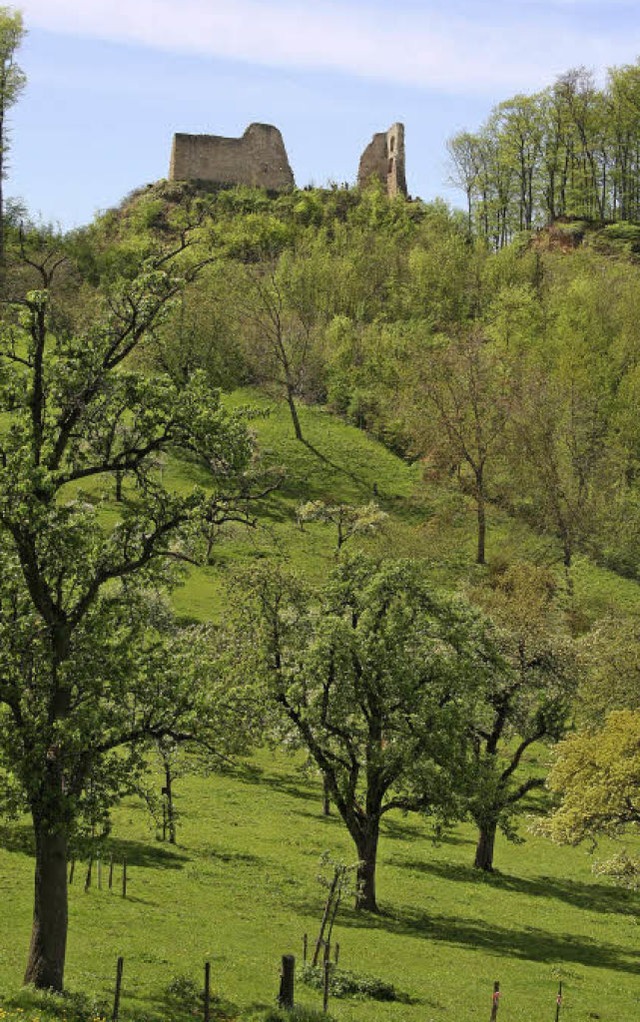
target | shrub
[{"x": 343, "y": 983}]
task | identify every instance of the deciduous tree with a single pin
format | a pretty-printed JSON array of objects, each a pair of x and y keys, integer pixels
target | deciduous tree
[
  {"x": 12, "y": 82},
  {"x": 81, "y": 669},
  {"x": 377, "y": 676}
]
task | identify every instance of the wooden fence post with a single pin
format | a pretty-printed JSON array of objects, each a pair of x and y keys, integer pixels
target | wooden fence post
[
  {"x": 111, "y": 871},
  {"x": 285, "y": 997},
  {"x": 326, "y": 965},
  {"x": 496, "y": 1002},
  {"x": 72, "y": 870},
  {"x": 559, "y": 1002},
  {"x": 116, "y": 996},
  {"x": 305, "y": 948},
  {"x": 124, "y": 878},
  {"x": 207, "y": 991}
]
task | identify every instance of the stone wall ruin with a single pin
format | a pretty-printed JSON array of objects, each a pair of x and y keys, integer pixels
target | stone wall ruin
[
  {"x": 384, "y": 160},
  {"x": 258, "y": 158}
]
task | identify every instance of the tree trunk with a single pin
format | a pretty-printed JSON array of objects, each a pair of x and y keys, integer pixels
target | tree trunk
[
  {"x": 45, "y": 966},
  {"x": 485, "y": 846},
  {"x": 482, "y": 523},
  {"x": 168, "y": 790},
  {"x": 294, "y": 413},
  {"x": 326, "y": 797},
  {"x": 367, "y": 845}
]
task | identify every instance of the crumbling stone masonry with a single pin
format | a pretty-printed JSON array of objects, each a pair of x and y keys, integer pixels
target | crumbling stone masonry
[
  {"x": 258, "y": 158},
  {"x": 384, "y": 160}
]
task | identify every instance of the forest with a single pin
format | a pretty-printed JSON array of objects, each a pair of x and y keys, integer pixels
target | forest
[{"x": 340, "y": 494}]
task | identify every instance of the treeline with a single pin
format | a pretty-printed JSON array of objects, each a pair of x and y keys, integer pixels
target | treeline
[{"x": 572, "y": 150}]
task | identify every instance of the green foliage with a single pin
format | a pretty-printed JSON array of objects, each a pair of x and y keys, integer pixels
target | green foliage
[
  {"x": 565, "y": 152},
  {"x": 343, "y": 983},
  {"x": 74, "y": 1006},
  {"x": 596, "y": 776}
]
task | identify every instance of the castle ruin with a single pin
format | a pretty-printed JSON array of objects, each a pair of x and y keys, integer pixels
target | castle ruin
[
  {"x": 259, "y": 158},
  {"x": 384, "y": 160}
]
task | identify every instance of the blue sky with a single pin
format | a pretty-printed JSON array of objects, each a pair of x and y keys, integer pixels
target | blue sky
[{"x": 110, "y": 81}]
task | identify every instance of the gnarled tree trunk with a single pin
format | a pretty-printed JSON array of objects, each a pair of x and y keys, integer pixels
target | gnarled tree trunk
[
  {"x": 45, "y": 966},
  {"x": 485, "y": 846},
  {"x": 367, "y": 846}
]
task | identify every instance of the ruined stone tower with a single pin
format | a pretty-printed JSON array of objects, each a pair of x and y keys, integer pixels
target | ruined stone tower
[
  {"x": 384, "y": 160},
  {"x": 258, "y": 158}
]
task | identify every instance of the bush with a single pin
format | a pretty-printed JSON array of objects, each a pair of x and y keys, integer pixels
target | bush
[
  {"x": 184, "y": 992},
  {"x": 73, "y": 1007},
  {"x": 343, "y": 983}
]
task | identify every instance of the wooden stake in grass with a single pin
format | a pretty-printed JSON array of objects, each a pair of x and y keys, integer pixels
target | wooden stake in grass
[
  {"x": 559, "y": 1002},
  {"x": 336, "y": 956},
  {"x": 207, "y": 991},
  {"x": 110, "y": 871},
  {"x": 326, "y": 976},
  {"x": 116, "y": 996},
  {"x": 72, "y": 870},
  {"x": 124, "y": 878},
  {"x": 325, "y": 915},
  {"x": 305, "y": 948},
  {"x": 496, "y": 1001},
  {"x": 87, "y": 883},
  {"x": 285, "y": 997}
]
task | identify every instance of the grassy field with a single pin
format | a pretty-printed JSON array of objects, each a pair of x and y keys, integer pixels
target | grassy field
[
  {"x": 240, "y": 888},
  {"x": 339, "y": 463}
]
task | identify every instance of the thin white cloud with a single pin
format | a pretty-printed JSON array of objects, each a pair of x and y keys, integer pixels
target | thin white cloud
[{"x": 418, "y": 47}]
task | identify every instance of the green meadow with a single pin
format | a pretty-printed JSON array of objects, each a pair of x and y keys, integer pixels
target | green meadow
[{"x": 240, "y": 888}]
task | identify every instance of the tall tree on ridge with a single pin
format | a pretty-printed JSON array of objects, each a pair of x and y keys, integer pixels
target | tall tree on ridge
[{"x": 12, "y": 82}]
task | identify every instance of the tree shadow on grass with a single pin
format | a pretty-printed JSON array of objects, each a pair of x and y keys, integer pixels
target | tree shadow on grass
[
  {"x": 339, "y": 468},
  {"x": 236, "y": 858},
  {"x": 528, "y": 943},
  {"x": 149, "y": 855},
  {"x": 594, "y": 897},
  {"x": 301, "y": 788},
  {"x": 18, "y": 837},
  {"x": 159, "y": 1007},
  {"x": 400, "y": 831}
]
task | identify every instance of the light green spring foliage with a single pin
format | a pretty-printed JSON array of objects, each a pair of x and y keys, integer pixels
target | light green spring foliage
[
  {"x": 567, "y": 151},
  {"x": 596, "y": 776}
]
